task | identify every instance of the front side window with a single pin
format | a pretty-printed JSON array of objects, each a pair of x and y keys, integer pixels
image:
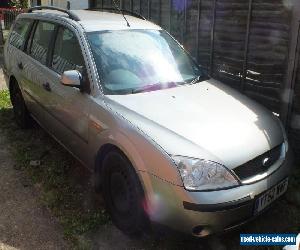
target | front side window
[
  {"x": 19, "y": 33},
  {"x": 132, "y": 61},
  {"x": 67, "y": 52},
  {"x": 41, "y": 41}
]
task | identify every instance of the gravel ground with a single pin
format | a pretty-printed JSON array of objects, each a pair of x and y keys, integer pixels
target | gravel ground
[{"x": 24, "y": 223}]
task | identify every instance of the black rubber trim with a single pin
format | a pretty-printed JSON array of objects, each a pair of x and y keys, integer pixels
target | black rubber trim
[
  {"x": 219, "y": 206},
  {"x": 68, "y": 12}
]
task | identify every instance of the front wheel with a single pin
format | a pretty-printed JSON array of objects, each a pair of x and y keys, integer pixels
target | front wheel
[
  {"x": 123, "y": 194},
  {"x": 21, "y": 113}
]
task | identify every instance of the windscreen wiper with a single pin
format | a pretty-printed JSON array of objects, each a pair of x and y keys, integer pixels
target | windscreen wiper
[
  {"x": 156, "y": 86},
  {"x": 199, "y": 78}
]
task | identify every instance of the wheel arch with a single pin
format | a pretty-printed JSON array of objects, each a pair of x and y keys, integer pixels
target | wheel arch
[
  {"x": 104, "y": 149},
  {"x": 146, "y": 158},
  {"x": 133, "y": 159},
  {"x": 107, "y": 147}
]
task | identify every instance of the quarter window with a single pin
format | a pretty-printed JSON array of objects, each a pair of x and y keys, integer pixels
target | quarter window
[
  {"x": 41, "y": 41},
  {"x": 67, "y": 52},
  {"x": 19, "y": 33}
]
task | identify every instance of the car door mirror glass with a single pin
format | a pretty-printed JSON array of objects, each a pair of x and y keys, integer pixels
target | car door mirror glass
[{"x": 71, "y": 78}]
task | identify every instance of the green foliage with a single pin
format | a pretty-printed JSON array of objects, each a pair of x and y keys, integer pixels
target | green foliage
[
  {"x": 20, "y": 4},
  {"x": 4, "y": 99}
]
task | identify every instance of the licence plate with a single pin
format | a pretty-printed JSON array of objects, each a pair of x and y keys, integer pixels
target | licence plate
[{"x": 270, "y": 196}]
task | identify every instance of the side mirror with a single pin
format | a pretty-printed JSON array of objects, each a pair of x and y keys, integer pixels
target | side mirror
[{"x": 71, "y": 78}]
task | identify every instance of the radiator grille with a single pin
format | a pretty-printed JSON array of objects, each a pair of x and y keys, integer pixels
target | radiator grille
[{"x": 258, "y": 165}]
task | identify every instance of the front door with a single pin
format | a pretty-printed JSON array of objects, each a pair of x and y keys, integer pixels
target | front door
[{"x": 69, "y": 119}]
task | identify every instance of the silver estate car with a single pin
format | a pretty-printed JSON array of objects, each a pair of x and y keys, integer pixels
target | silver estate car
[{"x": 167, "y": 144}]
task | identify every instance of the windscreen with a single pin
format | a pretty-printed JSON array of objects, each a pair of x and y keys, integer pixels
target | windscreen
[{"x": 132, "y": 61}]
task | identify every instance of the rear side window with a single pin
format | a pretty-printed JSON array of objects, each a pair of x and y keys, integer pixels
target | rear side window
[
  {"x": 41, "y": 41},
  {"x": 67, "y": 52},
  {"x": 19, "y": 33}
]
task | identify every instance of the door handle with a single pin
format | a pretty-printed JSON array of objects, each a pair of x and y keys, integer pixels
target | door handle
[
  {"x": 20, "y": 66},
  {"x": 46, "y": 86}
]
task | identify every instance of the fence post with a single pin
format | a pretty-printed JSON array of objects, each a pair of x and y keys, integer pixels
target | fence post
[
  {"x": 131, "y": 5},
  {"x": 245, "y": 62},
  {"x": 4, "y": 19},
  {"x": 288, "y": 96},
  {"x": 293, "y": 80},
  {"x": 140, "y": 6},
  {"x": 170, "y": 17},
  {"x": 1, "y": 35},
  {"x": 198, "y": 28},
  {"x": 1, "y": 31},
  {"x": 183, "y": 30},
  {"x": 159, "y": 12},
  {"x": 212, "y": 38},
  {"x": 149, "y": 9}
]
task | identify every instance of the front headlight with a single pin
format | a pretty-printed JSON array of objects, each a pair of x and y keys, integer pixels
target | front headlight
[{"x": 200, "y": 175}]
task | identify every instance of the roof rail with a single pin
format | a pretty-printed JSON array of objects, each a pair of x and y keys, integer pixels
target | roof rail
[
  {"x": 68, "y": 12},
  {"x": 126, "y": 12}
]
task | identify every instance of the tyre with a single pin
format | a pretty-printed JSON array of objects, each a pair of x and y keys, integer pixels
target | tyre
[
  {"x": 21, "y": 113},
  {"x": 123, "y": 194}
]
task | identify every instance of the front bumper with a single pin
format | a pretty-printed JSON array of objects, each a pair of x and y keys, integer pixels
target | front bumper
[{"x": 205, "y": 213}]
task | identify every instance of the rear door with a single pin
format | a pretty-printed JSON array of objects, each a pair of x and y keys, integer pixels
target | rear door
[
  {"x": 14, "y": 55},
  {"x": 36, "y": 71}
]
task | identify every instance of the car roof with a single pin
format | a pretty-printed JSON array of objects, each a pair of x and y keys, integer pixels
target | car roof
[{"x": 97, "y": 20}]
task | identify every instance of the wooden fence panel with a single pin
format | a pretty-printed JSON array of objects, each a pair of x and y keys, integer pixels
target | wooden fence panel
[
  {"x": 294, "y": 119},
  {"x": 257, "y": 68},
  {"x": 268, "y": 52},
  {"x": 229, "y": 41}
]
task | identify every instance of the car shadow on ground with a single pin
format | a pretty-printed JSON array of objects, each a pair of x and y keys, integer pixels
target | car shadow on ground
[{"x": 66, "y": 188}]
